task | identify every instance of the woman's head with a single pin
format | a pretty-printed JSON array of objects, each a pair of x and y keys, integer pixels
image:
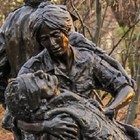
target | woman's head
[
  {"x": 24, "y": 93},
  {"x": 50, "y": 25},
  {"x": 56, "y": 42},
  {"x": 54, "y": 16}
]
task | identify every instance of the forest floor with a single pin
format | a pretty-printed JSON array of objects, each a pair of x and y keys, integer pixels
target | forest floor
[{"x": 5, "y": 135}]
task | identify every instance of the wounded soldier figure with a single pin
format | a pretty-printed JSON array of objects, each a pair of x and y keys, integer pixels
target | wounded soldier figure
[{"x": 49, "y": 112}]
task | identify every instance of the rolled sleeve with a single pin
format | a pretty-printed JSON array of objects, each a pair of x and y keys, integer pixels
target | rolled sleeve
[{"x": 109, "y": 78}]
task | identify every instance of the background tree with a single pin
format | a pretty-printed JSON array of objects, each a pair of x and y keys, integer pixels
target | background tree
[
  {"x": 6, "y": 6},
  {"x": 127, "y": 16}
]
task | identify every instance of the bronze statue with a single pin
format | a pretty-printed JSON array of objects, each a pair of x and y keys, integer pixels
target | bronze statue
[
  {"x": 52, "y": 113},
  {"x": 73, "y": 65},
  {"x": 16, "y": 45},
  {"x": 77, "y": 63}
]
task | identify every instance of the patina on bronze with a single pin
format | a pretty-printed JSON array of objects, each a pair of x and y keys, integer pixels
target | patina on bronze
[{"x": 74, "y": 64}]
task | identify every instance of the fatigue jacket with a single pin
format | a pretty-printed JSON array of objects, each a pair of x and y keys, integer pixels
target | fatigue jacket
[{"x": 88, "y": 72}]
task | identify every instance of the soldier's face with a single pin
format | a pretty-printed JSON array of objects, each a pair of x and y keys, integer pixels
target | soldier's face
[
  {"x": 55, "y": 41},
  {"x": 48, "y": 84}
]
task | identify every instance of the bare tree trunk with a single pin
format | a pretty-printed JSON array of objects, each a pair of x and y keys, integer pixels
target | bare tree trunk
[
  {"x": 131, "y": 115},
  {"x": 98, "y": 22}
]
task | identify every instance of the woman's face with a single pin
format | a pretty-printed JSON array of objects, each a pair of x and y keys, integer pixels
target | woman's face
[{"x": 54, "y": 40}]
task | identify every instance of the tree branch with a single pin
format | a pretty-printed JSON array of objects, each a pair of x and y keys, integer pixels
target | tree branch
[{"x": 115, "y": 46}]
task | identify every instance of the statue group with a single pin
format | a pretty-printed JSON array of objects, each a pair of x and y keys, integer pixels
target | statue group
[{"x": 53, "y": 70}]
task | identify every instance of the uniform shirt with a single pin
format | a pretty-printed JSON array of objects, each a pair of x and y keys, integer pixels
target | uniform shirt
[{"x": 88, "y": 72}]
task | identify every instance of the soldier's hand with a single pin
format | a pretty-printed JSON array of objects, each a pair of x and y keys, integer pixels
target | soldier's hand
[{"x": 56, "y": 126}]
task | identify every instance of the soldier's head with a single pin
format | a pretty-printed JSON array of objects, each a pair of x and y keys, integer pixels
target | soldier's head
[{"x": 24, "y": 94}]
